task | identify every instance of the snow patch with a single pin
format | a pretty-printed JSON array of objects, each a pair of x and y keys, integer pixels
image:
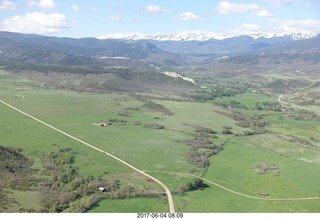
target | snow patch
[{"x": 204, "y": 35}]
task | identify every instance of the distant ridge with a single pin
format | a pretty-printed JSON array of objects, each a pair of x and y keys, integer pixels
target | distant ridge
[
  {"x": 35, "y": 49},
  {"x": 204, "y": 36}
]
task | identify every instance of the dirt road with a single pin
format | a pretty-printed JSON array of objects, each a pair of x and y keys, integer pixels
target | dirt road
[
  {"x": 169, "y": 195},
  {"x": 296, "y": 106},
  {"x": 241, "y": 194}
]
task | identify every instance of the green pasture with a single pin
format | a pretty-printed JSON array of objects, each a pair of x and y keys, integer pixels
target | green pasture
[
  {"x": 215, "y": 200},
  {"x": 235, "y": 167},
  {"x": 24, "y": 200},
  {"x": 187, "y": 115},
  {"x": 159, "y": 151},
  {"x": 77, "y": 114},
  {"x": 247, "y": 99},
  {"x": 306, "y": 130},
  {"x": 131, "y": 205}
]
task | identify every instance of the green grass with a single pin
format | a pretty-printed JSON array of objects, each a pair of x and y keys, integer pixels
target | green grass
[
  {"x": 15, "y": 131},
  {"x": 163, "y": 149},
  {"x": 215, "y": 200},
  {"x": 247, "y": 99},
  {"x": 234, "y": 169},
  {"x": 188, "y": 114},
  {"x": 131, "y": 205},
  {"x": 25, "y": 200},
  {"x": 75, "y": 114},
  {"x": 288, "y": 126}
]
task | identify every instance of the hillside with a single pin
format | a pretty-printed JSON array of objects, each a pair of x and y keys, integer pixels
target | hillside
[
  {"x": 217, "y": 47},
  {"x": 287, "y": 55},
  {"x": 102, "y": 65},
  {"x": 311, "y": 45},
  {"x": 135, "y": 65},
  {"x": 29, "y": 48},
  {"x": 213, "y": 44}
]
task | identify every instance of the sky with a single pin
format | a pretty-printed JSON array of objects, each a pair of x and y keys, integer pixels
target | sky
[{"x": 95, "y": 18}]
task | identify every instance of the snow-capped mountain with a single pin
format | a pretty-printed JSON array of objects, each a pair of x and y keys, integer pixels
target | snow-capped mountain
[{"x": 204, "y": 36}]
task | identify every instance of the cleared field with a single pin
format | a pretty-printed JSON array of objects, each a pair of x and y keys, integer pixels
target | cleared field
[
  {"x": 235, "y": 168},
  {"x": 24, "y": 200},
  {"x": 247, "y": 99},
  {"x": 162, "y": 147},
  {"x": 131, "y": 205}
]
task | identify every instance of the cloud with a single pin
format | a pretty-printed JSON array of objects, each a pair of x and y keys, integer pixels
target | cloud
[
  {"x": 188, "y": 16},
  {"x": 115, "y": 18},
  {"x": 75, "y": 8},
  {"x": 263, "y": 13},
  {"x": 46, "y": 4},
  {"x": 43, "y": 4},
  {"x": 310, "y": 25},
  {"x": 36, "y": 22},
  {"x": 226, "y": 8},
  {"x": 312, "y": 3},
  {"x": 279, "y": 2},
  {"x": 154, "y": 9},
  {"x": 7, "y": 5}
]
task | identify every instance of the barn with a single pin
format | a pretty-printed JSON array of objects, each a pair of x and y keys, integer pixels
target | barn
[{"x": 102, "y": 189}]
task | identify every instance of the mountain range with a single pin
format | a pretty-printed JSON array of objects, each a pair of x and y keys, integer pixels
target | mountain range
[
  {"x": 30, "y": 48},
  {"x": 146, "y": 53},
  {"x": 135, "y": 65},
  {"x": 204, "y": 36},
  {"x": 214, "y": 45}
]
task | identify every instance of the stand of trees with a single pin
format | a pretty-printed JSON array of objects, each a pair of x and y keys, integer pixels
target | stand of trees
[
  {"x": 61, "y": 187},
  {"x": 194, "y": 184},
  {"x": 202, "y": 148},
  {"x": 305, "y": 115},
  {"x": 218, "y": 92},
  {"x": 66, "y": 186},
  {"x": 28, "y": 67},
  {"x": 269, "y": 106}
]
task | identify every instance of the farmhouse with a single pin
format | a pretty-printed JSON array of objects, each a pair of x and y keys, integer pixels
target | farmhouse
[{"x": 102, "y": 189}]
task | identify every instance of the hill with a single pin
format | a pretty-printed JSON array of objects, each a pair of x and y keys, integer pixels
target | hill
[
  {"x": 36, "y": 49},
  {"x": 305, "y": 52},
  {"x": 218, "y": 47},
  {"x": 113, "y": 65},
  {"x": 213, "y": 44}
]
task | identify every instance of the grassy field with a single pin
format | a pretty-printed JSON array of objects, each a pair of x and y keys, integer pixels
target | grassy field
[
  {"x": 25, "y": 200},
  {"x": 161, "y": 150},
  {"x": 234, "y": 168},
  {"x": 247, "y": 99},
  {"x": 131, "y": 205}
]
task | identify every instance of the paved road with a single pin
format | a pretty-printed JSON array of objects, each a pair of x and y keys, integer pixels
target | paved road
[
  {"x": 241, "y": 194},
  {"x": 169, "y": 195},
  {"x": 300, "y": 107}
]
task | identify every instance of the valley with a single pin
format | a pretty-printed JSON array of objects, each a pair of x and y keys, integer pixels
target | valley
[{"x": 242, "y": 138}]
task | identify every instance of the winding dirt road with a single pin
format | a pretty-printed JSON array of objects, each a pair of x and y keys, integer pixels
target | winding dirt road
[
  {"x": 300, "y": 107},
  {"x": 169, "y": 195},
  {"x": 241, "y": 194}
]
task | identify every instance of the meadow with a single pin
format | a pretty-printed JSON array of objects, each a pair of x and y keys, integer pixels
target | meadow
[{"x": 153, "y": 136}]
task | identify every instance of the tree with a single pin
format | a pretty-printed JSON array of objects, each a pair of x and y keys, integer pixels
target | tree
[
  {"x": 194, "y": 184},
  {"x": 227, "y": 130}
]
